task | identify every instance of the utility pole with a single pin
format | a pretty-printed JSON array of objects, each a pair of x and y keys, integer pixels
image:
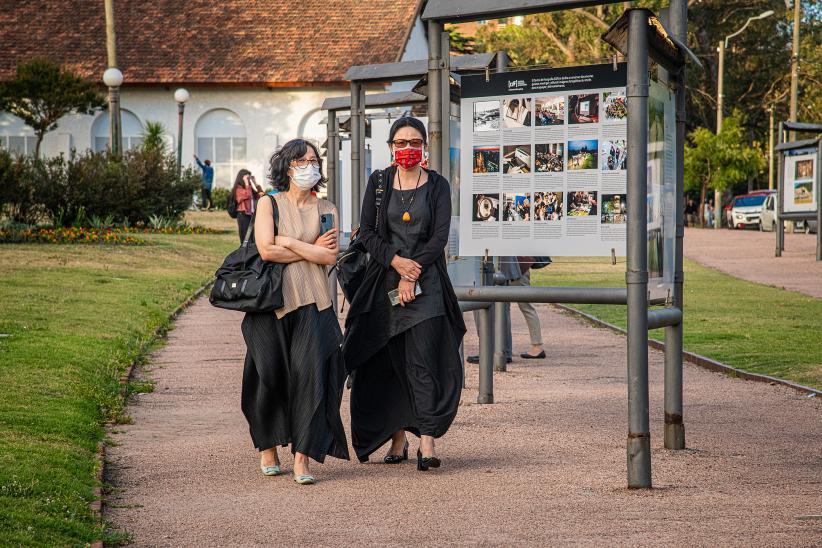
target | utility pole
[
  {"x": 797, "y": 7},
  {"x": 770, "y": 146},
  {"x": 720, "y": 101}
]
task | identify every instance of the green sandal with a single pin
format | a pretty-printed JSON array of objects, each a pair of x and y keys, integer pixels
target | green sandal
[
  {"x": 304, "y": 479},
  {"x": 271, "y": 470}
]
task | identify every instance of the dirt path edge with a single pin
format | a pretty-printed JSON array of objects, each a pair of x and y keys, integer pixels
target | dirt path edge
[{"x": 98, "y": 502}]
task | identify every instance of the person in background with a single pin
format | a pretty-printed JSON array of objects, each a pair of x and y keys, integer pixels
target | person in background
[
  {"x": 246, "y": 192},
  {"x": 208, "y": 180},
  {"x": 690, "y": 212},
  {"x": 517, "y": 272}
]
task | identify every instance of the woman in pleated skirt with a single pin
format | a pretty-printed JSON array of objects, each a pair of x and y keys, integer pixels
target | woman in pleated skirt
[{"x": 294, "y": 375}]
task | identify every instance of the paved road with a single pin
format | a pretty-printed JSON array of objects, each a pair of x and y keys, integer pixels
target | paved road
[
  {"x": 543, "y": 465},
  {"x": 749, "y": 255}
]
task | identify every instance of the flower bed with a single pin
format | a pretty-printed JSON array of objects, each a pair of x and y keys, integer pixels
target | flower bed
[
  {"x": 69, "y": 235},
  {"x": 170, "y": 230}
]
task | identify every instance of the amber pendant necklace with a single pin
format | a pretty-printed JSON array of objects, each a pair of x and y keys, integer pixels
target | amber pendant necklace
[{"x": 406, "y": 217}]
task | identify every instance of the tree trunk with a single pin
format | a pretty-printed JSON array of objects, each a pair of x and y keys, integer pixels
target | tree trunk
[
  {"x": 703, "y": 192},
  {"x": 39, "y": 142}
]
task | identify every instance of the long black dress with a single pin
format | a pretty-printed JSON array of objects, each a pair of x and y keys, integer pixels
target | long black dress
[
  {"x": 408, "y": 373},
  {"x": 293, "y": 377}
]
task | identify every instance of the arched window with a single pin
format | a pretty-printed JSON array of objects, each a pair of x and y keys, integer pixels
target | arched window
[
  {"x": 132, "y": 131},
  {"x": 221, "y": 138},
  {"x": 15, "y": 135}
]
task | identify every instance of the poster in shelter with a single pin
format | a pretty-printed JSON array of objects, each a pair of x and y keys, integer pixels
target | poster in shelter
[
  {"x": 544, "y": 165},
  {"x": 799, "y": 179}
]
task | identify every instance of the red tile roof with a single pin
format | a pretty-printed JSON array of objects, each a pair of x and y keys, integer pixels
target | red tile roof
[{"x": 271, "y": 42}]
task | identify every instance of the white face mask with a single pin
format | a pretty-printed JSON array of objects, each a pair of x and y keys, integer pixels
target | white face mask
[{"x": 306, "y": 177}]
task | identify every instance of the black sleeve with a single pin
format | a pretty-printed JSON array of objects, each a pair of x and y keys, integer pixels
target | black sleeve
[
  {"x": 435, "y": 248},
  {"x": 379, "y": 249}
]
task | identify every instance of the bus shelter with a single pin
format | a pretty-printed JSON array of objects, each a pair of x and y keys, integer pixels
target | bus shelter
[
  {"x": 800, "y": 181},
  {"x": 644, "y": 40}
]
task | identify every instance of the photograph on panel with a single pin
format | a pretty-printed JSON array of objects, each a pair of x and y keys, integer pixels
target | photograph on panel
[
  {"x": 548, "y": 157},
  {"x": 516, "y": 159},
  {"x": 548, "y": 206},
  {"x": 615, "y": 105},
  {"x": 517, "y": 207},
  {"x": 550, "y": 111},
  {"x": 516, "y": 112},
  {"x": 486, "y": 116},
  {"x": 583, "y": 109},
  {"x": 486, "y": 159},
  {"x": 582, "y": 154},
  {"x": 486, "y": 207},
  {"x": 613, "y": 209},
  {"x": 614, "y": 155},
  {"x": 582, "y": 203}
]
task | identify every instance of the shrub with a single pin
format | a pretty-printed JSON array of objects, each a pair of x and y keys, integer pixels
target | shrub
[
  {"x": 94, "y": 187},
  {"x": 17, "y": 189},
  {"x": 219, "y": 196},
  {"x": 151, "y": 186}
]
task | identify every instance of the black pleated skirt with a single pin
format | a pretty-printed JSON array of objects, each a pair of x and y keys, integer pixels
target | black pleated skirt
[
  {"x": 412, "y": 384},
  {"x": 293, "y": 382}
]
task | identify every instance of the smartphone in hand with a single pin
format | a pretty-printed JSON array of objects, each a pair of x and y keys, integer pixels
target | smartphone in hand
[
  {"x": 394, "y": 294},
  {"x": 326, "y": 222}
]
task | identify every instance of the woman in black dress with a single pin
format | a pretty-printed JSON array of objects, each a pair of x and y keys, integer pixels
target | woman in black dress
[
  {"x": 293, "y": 377},
  {"x": 407, "y": 372}
]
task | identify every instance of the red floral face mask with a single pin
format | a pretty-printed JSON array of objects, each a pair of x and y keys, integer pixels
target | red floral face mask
[{"x": 408, "y": 157}]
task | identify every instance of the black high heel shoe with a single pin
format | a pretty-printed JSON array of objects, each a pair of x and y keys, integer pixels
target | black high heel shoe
[
  {"x": 396, "y": 459},
  {"x": 424, "y": 463}
]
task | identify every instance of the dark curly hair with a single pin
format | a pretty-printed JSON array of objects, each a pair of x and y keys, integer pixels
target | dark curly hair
[{"x": 281, "y": 162}]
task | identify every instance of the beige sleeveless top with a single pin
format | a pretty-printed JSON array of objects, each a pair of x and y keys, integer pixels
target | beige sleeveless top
[{"x": 303, "y": 282}]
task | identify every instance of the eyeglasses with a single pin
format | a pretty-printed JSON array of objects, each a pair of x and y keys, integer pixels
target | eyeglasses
[
  {"x": 303, "y": 162},
  {"x": 402, "y": 143}
]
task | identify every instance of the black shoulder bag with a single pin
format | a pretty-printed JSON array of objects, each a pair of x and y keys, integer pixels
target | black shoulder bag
[
  {"x": 351, "y": 264},
  {"x": 247, "y": 283}
]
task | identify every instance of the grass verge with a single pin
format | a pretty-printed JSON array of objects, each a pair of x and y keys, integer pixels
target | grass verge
[
  {"x": 72, "y": 318},
  {"x": 749, "y": 326}
]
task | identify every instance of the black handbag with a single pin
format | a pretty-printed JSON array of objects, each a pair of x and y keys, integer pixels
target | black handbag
[
  {"x": 351, "y": 264},
  {"x": 247, "y": 283},
  {"x": 231, "y": 205}
]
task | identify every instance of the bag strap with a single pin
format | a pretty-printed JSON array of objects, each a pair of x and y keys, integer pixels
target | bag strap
[
  {"x": 250, "y": 229},
  {"x": 378, "y": 194}
]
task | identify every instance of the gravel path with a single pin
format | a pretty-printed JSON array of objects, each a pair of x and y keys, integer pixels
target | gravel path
[
  {"x": 545, "y": 464},
  {"x": 748, "y": 254}
]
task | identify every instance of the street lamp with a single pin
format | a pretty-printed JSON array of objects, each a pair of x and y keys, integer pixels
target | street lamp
[
  {"x": 720, "y": 100},
  {"x": 113, "y": 78},
  {"x": 181, "y": 96}
]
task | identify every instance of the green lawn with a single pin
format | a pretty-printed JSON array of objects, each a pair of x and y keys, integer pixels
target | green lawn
[
  {"x": 75, "y": 317},
  {"x": 746, "y": 325}
]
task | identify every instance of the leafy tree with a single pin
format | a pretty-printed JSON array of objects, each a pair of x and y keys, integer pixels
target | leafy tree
[
  {"x": 757, "y": 62},
  {"x": 460, "y": 43},
  {"x": 559, "y": 38},
  {"x": 41, "y": 93},
  {"x": 718, "y": 162}
]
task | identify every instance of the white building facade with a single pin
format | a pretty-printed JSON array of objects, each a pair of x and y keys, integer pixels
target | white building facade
[{"x": 235, "y": 125}]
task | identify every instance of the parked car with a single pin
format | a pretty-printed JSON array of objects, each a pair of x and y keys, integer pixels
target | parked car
[
  {"x": 747, "y": 208},
  {"x": 767, "y": 218},
  {"x": 808, "y": 226}
]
